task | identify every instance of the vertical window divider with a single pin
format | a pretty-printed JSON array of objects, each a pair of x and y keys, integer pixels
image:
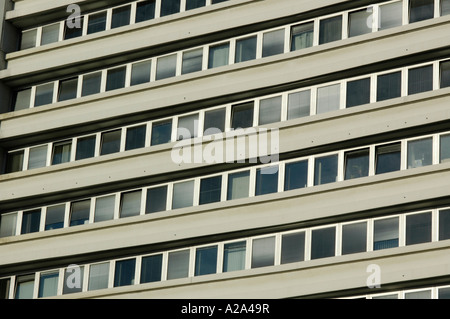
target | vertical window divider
[
  {"x": 373, "y": 88},
  {"x": 133, "y": 12},
  {"x": 38, "y": 36},
  {"x": 37, "y": 276},
  {"x": 343, "y": 94},
  {"x": 220, "y": 252},
  {"x": 231, "y": 52},
  {"x": 48, "y": 160},
  {"x": 310, "y": 182},
  {"x": 437, "y": 8},
  {"x": 436, "y": 144},
  {"x": 108, "y": 19},
  {"x": 61, "y": 30},
  {"x": 92, "y": 210},
  {"x": 287, "y": 39},
  {"x": 123, "y": 136},
  {"x": 403, "y": 155},
  {"x": 117, "y": 206},
  {"x": 148, "y": 134},
  {"x": 73, "y": 149},
  {"x": 169, "y": 196},
  {"x": 103, "y": 81},
  {"x": 143, "y": 201},
  {"x": 307, "y": 244},
  {"x": 196, "y": 194},
  {"x": 375, "y": 17},
  {"x": 284, "y": 106},
  {"x": 256, "y": 112},
  {"x": 19, "y": 222},
  {"x": 369, "y": 237},
  {"x": 313, "y": 107},
  {"x": 223, "y": 191},
  {"x": 55, "y": 92},
  {"x": 434, "y": 225},
  {"x": 402, "y": 230},
  {"x": 205, "y": 57},
  {"x": 98, "y": 138},
  {"x": 227, "y": 118},
  {"x": 208, "y": 2},
  {"x": 182, "y": 5},
  {"x": 174, "y": 135},
  {"x": 259, "y": 45},
  {"x": 341, "y": 166},
  {"x": 85, "y": 277},
  {"x": 277, "y": 252},
  {"x": 436, "y": 75},
  {"x": 372, "y": 160},
  {"x": 112, "y": 268},
  {"x": 281, "y": 175},
  {"x": 43, "y": 218},
  {"x": 153, "y": 62},
  {"x": 12, "y": 286},
  {"x": 316, "y": 32},
  {"x": 59, "y": 290},
  {"x": 345, "y": 25},
  {"x": 405, "y": 12},
  {"x": 248, "y": 253},
  {"x": 66, "y": 214},
  {"x": 137, "y": 273},
  {"x": 164, "y": 265},
  {"x": 179, "y": 63},
  {"x": 252, "y": 182},
  {"x": 79, "y": 86},
  {"x": 128, "y": 75},
  {"x": 32, "y": 96},
  {"x": 338, "y": 240},
  {"x": 200, "y": 124},
  {"x": 191, "y": 262},
  {"x": 404, "y": 82},
  {"x": 26, "y": 156},
  {"x": 85, "y": 25}
]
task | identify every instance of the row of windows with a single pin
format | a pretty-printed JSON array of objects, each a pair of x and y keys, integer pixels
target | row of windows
[
  {"x": 262, "y": 111},
  {"x": 248, "y": 47},
  {"x": 441, "y": 292},
  {"x": 137, "y": 11},
  {"x": 259, "y": 180},
  {"x": 245, "y": 253}
]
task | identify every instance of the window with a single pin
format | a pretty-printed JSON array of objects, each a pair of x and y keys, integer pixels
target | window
[
  {"x": 358, "y": 92},
  {"x": 263, "y": 252},
  {"x": 299, "y": 104},
  {"x": 389, "y": 86},
  {"x": 183, "y": 195},
  {"x": 61, "y": 152},
  {"x": 151, "y": 268},
  {"x": 418, "y": 228},
  {"x": 50, "y": 34},
  {"x": 28, "y": 39},
  {"x": 169, "y": 7},
  {"x": 23, "y": 100},
  {"x": 387, "y": 158},
  {"x": 120, "y": 16},
  {"x": 79, "y": 213},
  {"x": 385, "y": 233},
  {"x": 161, "y": 132},
  {"x": 54, "y": 218},
  {"x": 245, "y": 49},
  {"x": 266, "y": 180},
  {"x": 292, "y": 247},
  {"x": 44, "y": 94},
  {"x": 444, "y": 151},
  {"x": 85, "y": 147},
  {"x": 270, "y": 110},
  {"x": 71, "y": 33},
  {"x": 328, "y": 98},
  {"x": 234, "y": 256},
  {"x": 192, "y": 61},
  {"x": 156, "y": 199},
  {"x": 97, "y": 22},
  {"x": 135, "y": 137},
  {"x": 218, "y": 55},
  {"x": 98, "y": 276},
  {"x": 37, "y": 157},
  {"x": 444, "y": 293},
  {"x": 354, "y": 238},
  {"x": 178, "y": 266},
  {"x": 31, "y": 221},
  {"x": 390, "y": 15},
  {"x": 110, "y": 142},
  {"x": 325, "y": 170},
  {"x": 104, "y": 208},
  {"x": 330, "y": 29},
  {"x": 205, "y": 261},
  {"x": 140, "y": 72},
  {"x": 420, "y": 10},
  {"x": 445, "y": 7},
  {"x": 357, "y": 164},
  {"x": 217, "y": 1},
  {"x": 48, "y": 284},
  {"x": 424, "y": 294},
  {"x": 68, "y": 89},
  {"x": 420, "y": 152},
  {"x": 302, "y": 36},
  {"x": 296, "y": 175},
  {"x": 214, "y": 121},
  {"x": 8, "y": 224},
  {"x": 445, "y": 74},
  {"x": 91, "y": 83},
  {"x": 124, "y": 272},
  {"x": 323, "y": 242},
  {"x": 14, "y": 162},
  {"x": 187, "y": 127},
  {"x": 273, "y": 43},
  {"x": 420, "y": 79},
  {"x": 4, "y": 288},
  {"x": 390, "y": 296},
  {"x": 210, "y": 190},
  {"x": 193, "y": 4},
  {"x": 130, "y": 204},
  {"x": 73, "y": 279},
  {"x": 145, "y": 10},
  {"x": 238, "y": 185},
  {"x": 24, "y": 287},
  {"x": 166, "y": 67},
  {"x": 360, "y": 22},
  {"x": 242, "y": 115},
  {"x": 115, "y": 78}
]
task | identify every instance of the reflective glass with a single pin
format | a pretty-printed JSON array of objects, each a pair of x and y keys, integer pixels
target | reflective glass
[
  {"x": 263, "y": 252},
  {"x": 293, "y": 247},
  {"x": 323, "y": 242},
  {"x": 156, "y": 199}
]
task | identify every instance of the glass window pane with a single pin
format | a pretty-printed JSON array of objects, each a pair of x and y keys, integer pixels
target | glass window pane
[
  {"x": 61, "y": 152},
  {"x": 115, "y": 78},
  {"x": 296, "y": 175},
  {"x": 302, "y": 36},
  {"x": 299, "y": 104},
  {"x": 166, "y": 67},
  {"x": 390, "y": 15},
  {"x": 50, "y": 34},
  {"x": 217, "y": 1},
  {"x": 73, "y": 279},
  {"x": 135, "y": 137},
  {"x": 242, "y": 115},
  {"x": 273, "y": 43},
  {"x": 385, "y": 233},
  {"x": 193, "y": 4},
  {"x": 214, "y": 121},
  {"x": 293, "y": 247},
  {"x": 14, "y": 162},
  {"x": 110, "y": 142},
  {"x": 238, "y": 185},
  {"x": 445, "y": 7},
  {"x": 328, "y": 98},
  {"x": 183, "y": 195},
  {"x": 266, "y": 180},
  {"x": 54, "y": 218},
  {"x": 210, "y": 190},
  {"x": 37, "y": 157},
  {"x": 270, "y": 110},
  {"x": 8, "y": 224},
  {"x": 130, "y": 204},
  {"x": 104, "y": 208},
  {"x": 31, "y": 221},
  {"x": 420, "y": 10},
  {"x": 245, "y": 49},
  {"x": 24, "y": 287},
  {"x": 323, "y": 242},
  {"x": 206, "y": 261},
  {"x": 156, "y": 199},
  {"x": 425, "y": 294},
  {"x": 120, "y": 16},
  {"x": 98, "y": 276},
  {"x": 218, "y": 55},
  {"x": 325, "y": 170},
  {"x": 23, "y": 99},
  {"x": 145, "y": 10},
  {"x": 389, "y": 86},
  {"x": 387, "y": 158},
  {"x": 124, "y": 272},
  {"x": 234, "y": 256},
  {"x": 192, "y": 61},
  {"x": 420, "y": 152},
  {"x": 360, "y": 22},
  {"x": 358, "y": 92},
  {"x": 85, "y": 147},
  {"x": 28, "y": 39},
  {"x": 444, "y": 293},
  {"x": 44, "y": 94},
  {"x": 187, "y": 127},
  {"x": 151, "y": 268},
  {"x": 445, "y": 74},
  {"x": 418, "y": 228},
  {"x": 68, "y": 89},
  {"x": 444, "y": 224},
  {"x": 392, "y": 296},
  {"x": 48, "y": 285},
  {"x": 263, "y": 252},
  {"x": 356, "y": 164},
  {"x": 330, "y": 29},
  {"x": 91, "y": 83},
  {"x": 354, "y": 238},
  {"x": 420, "y": 79},
  {"x": 178, "y": 264},
  {"x": 79, "y": 213},
  {"x": 161, "y": 132},
  {"x": 4, "y": 288},
  {"x": 140, "y": 72},
  {"x": 71, "y": 33},
  {"x": 97, "y": 22},
  {"x": 169, "y": 7}
]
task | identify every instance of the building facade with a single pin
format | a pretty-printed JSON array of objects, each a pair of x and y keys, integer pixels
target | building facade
[{"x": 225, "y": 149}]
